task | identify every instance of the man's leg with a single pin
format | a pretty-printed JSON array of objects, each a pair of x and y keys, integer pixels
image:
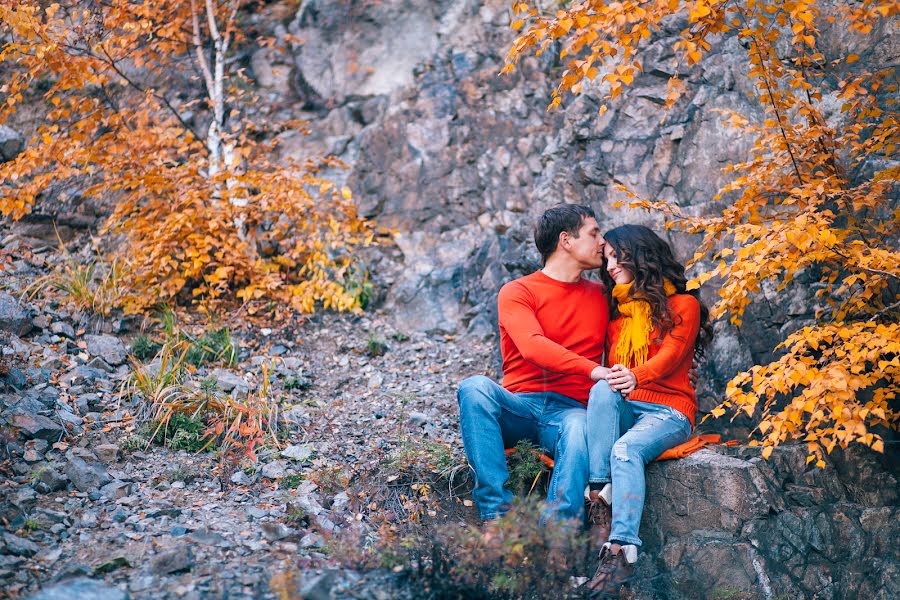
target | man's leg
[
  {"x": 491, "y": 419},
  {"x": 608, "y": 415},
  {"x": 565, "y": 418},
  {"x": 656, "y": 429}
]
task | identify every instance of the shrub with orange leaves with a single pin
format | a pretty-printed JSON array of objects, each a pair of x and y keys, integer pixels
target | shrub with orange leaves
[
  {"x": 205, "y": 211},
  {"x": 814, "y": 195}
]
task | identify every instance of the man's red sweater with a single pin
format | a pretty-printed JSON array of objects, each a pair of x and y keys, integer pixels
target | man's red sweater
[
  {"x": 663, "y": 379},
  {"x": 552, "y": 334}
]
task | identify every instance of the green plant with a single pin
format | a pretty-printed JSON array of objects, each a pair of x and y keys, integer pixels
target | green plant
[
  {"x": 356, "y": 283},
  {"x": 143, "y": 347},
  {"x": 330, "y": 479},
  {"x": 209, "y": 385},
  {"x": 31, "y": 524},
  {"x": 292, "y": 382},
  {"x": 168, "y": 323},
  {"x": 399, "y": 336},
  {"x": 290, "y": 482},
  {"x": 185, "y": 433},
  {"x": 139, "y": 439},
  {"x": 523, "y": 558},
  {"x": 730, "y": 593},
  {"x": 375, "y": 346},
  {"x": 212, "y": 346},
  {"x": 296, "y": 515},
  {"x": 525, "y": 468},
  {"x": 180, "y": 473}
]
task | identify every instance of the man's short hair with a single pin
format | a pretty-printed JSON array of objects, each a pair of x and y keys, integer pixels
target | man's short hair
[{"x": 555, "y": 220}]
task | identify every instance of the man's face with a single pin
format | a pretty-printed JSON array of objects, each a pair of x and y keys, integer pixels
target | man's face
[{"x": 587, "y": 248}]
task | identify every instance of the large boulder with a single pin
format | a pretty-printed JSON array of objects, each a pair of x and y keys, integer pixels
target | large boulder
[
  {"x": 725, "y": 523},
  {"x": 11, "y": 143}
]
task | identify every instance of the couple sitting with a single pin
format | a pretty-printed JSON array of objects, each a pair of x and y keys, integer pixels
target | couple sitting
[{"x": 602, "y": 424}]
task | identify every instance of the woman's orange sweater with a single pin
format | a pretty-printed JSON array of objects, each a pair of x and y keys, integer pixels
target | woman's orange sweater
[{"x": 663, "y": 379}]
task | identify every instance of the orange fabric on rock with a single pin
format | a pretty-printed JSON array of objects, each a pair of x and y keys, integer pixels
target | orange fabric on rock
[
  {"x": 552, "y": 334},
  {"x": 663, "y": 378},
  {"x": 690, "y": 446},
  {"x": 680, "y": 451}
]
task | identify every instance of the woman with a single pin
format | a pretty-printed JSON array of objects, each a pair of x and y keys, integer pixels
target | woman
[{"x": 647, "y": 404}]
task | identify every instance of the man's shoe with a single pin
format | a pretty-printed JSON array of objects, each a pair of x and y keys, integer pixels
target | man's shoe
[{"x": 616, "y": 569}]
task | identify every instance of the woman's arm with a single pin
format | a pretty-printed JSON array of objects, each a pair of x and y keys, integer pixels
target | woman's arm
[{"x": 676, "y": 345}]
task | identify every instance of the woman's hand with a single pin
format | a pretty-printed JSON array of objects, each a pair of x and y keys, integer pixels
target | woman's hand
[
  {"x": 621, "y": 379},
  {"x": 599, "y": 373}
]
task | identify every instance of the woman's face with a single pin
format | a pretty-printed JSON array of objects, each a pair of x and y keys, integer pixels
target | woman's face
[{"x": 618, "y": 273}]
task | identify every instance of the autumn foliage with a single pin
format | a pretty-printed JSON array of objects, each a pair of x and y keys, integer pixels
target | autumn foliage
[
  {"x": 814, "y": 196},
  {"x": 146, "y": 111}
]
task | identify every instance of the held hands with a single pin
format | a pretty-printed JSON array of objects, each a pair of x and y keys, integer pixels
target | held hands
[
  {"x": 599, "y": 373},
  {"x": 621, "y": 379}
]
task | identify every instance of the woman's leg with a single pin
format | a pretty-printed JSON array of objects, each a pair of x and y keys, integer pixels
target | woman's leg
[
  {"x": 608, "y": 415},
  {"x": 656, "y": 429}
]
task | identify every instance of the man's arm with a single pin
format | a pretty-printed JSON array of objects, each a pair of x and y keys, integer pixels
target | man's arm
[{"x": 516, "y": 315}]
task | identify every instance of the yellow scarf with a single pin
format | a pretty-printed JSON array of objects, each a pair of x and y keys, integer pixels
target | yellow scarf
[{"x": 637, "y": 324}]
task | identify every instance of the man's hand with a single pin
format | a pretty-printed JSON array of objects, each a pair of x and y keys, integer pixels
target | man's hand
[
  {"x": 694, "y": 373},
  {"x": 621, "y": 379},
  {"x": 599, "y": 373}
]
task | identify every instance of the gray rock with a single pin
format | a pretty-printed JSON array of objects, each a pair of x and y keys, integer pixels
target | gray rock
[
  {"x": 32, "y": 426},
  {"x": 68, "y": 417},
  {"x": 257, "y": 513},
  {"x": 228, "y": 381},
  {"x": 19, "y": 546},
  {"x": 62, "y": 328},
  {"x": 107, "y": 347},
  {"x": 11, "y": 143},
  {"x": 86, "y": 476},
  {"x": 312, "y": 540},
  {"x": 273, "y": 470},
  {"x": 179, "y": 560},
  {"x": 82, "y": 589},
  {"x": 274, "y": 531},
  {"x": 240, "y": 478},
  {"x": 418, "y": 418},
  {"x": 49, "y": 479},
  {"x": 13, "y": 318},
  {"x": 16, "y": 378},
  {"x": 115, "y": 490},
  {"x": 298, "y": 452},
  {"x": 340, "y": 501},
  {"x": 88, "y": 519},
  {"x": 82, "y": 375},
  {"x": 107, "y": 453}
]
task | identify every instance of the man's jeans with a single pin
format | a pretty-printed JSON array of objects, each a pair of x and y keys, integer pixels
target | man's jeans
[
  {"x": 623, "y": 436},
  {"x": 492, "y": 418}
]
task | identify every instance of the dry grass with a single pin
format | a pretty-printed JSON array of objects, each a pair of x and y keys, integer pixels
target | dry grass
[
  {"x": 95, "y": 287},
  {"x": 236, "y": 427}
]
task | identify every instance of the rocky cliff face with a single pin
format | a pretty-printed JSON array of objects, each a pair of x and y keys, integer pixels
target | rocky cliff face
[
  {"x": 460, "y": 160},
  {"x": 725, "y": 524}
]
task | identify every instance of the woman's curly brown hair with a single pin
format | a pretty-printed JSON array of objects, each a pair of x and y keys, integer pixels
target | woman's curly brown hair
[{"x": 650, "y": 259}]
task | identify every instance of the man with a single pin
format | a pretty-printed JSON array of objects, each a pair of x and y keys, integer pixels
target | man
[{"x": 552, "y": 333}]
